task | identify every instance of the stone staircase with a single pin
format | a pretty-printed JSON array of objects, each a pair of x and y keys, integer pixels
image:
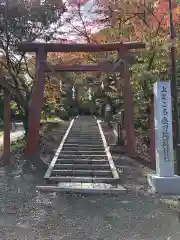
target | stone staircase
[{"x": 82, "y": 162}]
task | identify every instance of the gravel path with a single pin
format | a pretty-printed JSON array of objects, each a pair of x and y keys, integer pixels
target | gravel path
[
  {"x": 29, "y": 215},
  {"x": 26, "y": 214}
]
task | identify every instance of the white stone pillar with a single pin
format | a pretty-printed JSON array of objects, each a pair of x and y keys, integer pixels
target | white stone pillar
[
  {"x": 164, "y": 181},
  {"x": 163, "y": 129}
]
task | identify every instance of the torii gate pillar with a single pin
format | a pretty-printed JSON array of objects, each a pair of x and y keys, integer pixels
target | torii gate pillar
[
  {"x": 36, "y": 105},
  {"x": 7, "y": 128},
  {"x": 128, "y": 113}
]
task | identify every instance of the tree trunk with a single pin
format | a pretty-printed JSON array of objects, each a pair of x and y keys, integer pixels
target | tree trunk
[
  {"x": 25, "y": 121},
  {"x": 24, "y": 115}
]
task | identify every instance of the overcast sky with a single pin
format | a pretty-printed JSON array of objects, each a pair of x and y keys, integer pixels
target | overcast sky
[{"x": 70, "y": 30}]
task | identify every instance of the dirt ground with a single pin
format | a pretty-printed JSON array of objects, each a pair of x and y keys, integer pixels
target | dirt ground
[{"x": 138, "y": 215}]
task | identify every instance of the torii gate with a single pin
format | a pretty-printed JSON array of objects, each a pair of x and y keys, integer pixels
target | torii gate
[{"x": 42, "y": 66}]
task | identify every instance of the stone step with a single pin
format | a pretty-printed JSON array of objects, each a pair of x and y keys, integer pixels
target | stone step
[
  {"x": 85, "y": 132},
  {"x": 81, "y": 132},
  {"x": 93, "y": 132},
  {"x": 96, "y": 188},
  {"x": 84, "y": 137},
  {"x": 90, "y": 173},
  {"x": 79, "y": 141},
  {"x": 82, "y": 156},
  {"x": 81, "y": 126},
  {"x": 82, "y": 166},
  {"x": 87, "y": 146},
  {"x": 84, "y": 129},
  {"x": 82, "y": 161},
  {"x": 79, "y": 152},
  {"x": 81, "y": 179},
  {"x": 79, "y": 149},
  {"x": 78, "y": 138}
]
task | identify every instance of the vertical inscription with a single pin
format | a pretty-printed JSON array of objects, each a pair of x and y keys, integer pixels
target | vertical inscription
[
  {"x": 165, "y": 123},
  {"x": 163, "y": 129}
]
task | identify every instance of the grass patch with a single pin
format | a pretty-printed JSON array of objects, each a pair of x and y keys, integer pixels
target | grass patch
[{"x": 1, "y": 133}]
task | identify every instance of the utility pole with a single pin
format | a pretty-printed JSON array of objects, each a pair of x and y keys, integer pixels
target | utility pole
[{"x": 174, "y": 87}]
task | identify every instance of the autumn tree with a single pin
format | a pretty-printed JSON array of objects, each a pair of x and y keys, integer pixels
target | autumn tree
[
  {"x": 146, "y": 21},
  {"x": 23, "y": 21}
]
